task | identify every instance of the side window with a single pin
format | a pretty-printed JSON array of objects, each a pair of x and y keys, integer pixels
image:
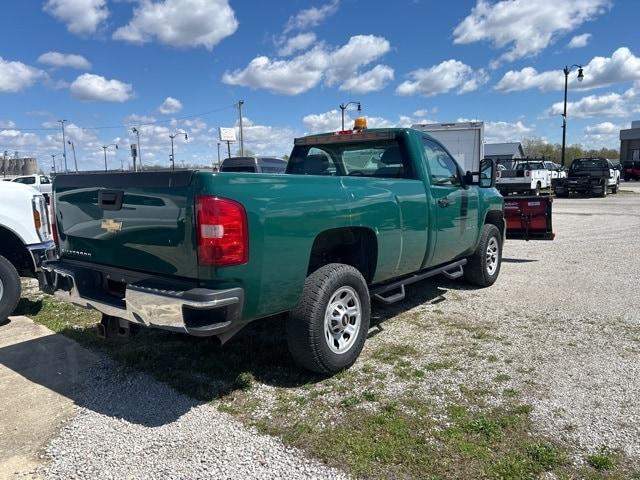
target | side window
[
  {"x": 443, "y": 168},
  {"x": 44, "y": 180}
]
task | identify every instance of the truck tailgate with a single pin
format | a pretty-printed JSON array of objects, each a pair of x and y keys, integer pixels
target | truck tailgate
[{"x": 137, "y": 221}]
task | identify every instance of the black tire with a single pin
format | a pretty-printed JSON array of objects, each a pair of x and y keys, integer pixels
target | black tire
[
  {"x": 10, "y": 288},
  {"x": 537, "y": 190},
  {"x": 605, "y": 189},
  {"x": 306, "y": 338},
  {"x": 476, "y": 271},
  {"x": 615, "y": 188}
]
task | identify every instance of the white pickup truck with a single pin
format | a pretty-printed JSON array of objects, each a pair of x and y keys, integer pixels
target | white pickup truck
[
  {"x": 25, "y": 240},
  {"x": 42, "y": 183},
  {"x": 524, "y": 176}
]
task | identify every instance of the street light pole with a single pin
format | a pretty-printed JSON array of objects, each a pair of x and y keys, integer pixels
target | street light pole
[
  {"x": 104, "y": 149},
  {"x": 53, "y": 162},
  {"x": 186, "y": 137},
  {"x": 240, "y": 103},
  {"x": 64, "y": 145},
  {"x": 566, "y": 71},
  {"x": 344, "y": 106},
  {"x": 218, "y": 155},
  {"x": 73, "y": 149}
]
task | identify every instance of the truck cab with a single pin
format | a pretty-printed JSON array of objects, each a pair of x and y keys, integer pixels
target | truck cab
[{"x": 40, "y": 182}]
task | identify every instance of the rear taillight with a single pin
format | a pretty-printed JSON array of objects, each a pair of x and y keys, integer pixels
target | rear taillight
[
  {"x": 54, "y": 226},
  {"x": 222, "y": 231},
  {"x": 41, "y": 217}
]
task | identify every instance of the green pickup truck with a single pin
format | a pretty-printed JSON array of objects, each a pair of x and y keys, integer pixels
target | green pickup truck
[{"x": 357, "y": 215}]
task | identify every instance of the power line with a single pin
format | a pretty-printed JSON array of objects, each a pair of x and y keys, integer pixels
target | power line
[{"x": 126, "y": 125}]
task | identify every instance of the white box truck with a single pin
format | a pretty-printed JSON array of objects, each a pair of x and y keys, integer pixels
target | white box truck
[{"x": 464, "y": 140}]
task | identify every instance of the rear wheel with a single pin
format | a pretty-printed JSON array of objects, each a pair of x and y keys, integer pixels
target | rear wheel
[
  {"x": 483, "y": 267},
  {"x": 537, "y": 190},
  {"x": 605, "y": 189},
  {"x": 616, "y": 187},
  {"x": 327, "y": 329},
  {"x": 10, "y": 288}
]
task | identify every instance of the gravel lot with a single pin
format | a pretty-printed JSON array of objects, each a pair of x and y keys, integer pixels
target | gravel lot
[
  {"x": 561, "y": 326},
  {"x": 131, "y": 426}
]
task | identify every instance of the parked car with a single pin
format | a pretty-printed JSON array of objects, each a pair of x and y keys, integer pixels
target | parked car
[
  {"x": 357, "y": 215},
  {"x": 631, "y": 170},
  {"x": 525, "y": 176},
  {"x": 594, "y": 176},
  {"x": 40, "y": 182},
  {"x": 254, "y": 165},
  {"x": 25, "y": 239}
]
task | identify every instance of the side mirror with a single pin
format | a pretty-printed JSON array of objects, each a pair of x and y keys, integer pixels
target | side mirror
[{"x": 487, "y": 173}]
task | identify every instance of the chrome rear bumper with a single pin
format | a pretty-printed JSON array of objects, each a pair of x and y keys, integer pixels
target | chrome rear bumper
[{"x": 197, "y": 311}]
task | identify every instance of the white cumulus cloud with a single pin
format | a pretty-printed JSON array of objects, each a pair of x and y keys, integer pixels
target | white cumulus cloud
[
  {"x": 525, "y": 27},
  {"x": 71, "y": 60},
  {"x": 311, "y": 17},
  {"x": 610, "y": 104},
  {"x": 80, "y": 16},
  {"x": 16, "y": 76},
  {"x": 180, "y": 23},
  {"x": 97, "y": 88},
  {"x": 170, "y": 105},
  {"x": 305, "y": 71},
  {"x": 296, "y": 43},
  {"x": 579, "y": 41},
  {"x": 622, "y": 66},
  {"x": 370, "y": 81},
  {"x": 444, "y": 77}
]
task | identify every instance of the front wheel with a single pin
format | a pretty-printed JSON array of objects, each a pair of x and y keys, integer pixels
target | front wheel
[
  {"x": 10, "y": 288},
  {"x": 536, "y": 192},
  {"x": 327, "y": 329},
  {"x": 616, "y": 187},
  {"x": 483, "y": 267}
]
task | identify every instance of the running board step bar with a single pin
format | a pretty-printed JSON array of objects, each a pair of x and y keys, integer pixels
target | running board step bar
[
  {"x": 455, "y": 273},
  {"x": 394, "y": 291}
]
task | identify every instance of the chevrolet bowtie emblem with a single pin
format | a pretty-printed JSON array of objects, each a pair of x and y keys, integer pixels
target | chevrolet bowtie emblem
[{"x": 111, "y": 225}]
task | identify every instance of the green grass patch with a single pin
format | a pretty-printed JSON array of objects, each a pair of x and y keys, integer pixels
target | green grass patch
[
  {"x": 603, "y": 459},
  {"x": 390, "y": 353}
]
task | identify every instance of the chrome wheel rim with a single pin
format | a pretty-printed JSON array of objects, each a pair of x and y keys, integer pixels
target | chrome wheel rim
[
  {"x": 342, "y": 320},
  {"x": 492, "y": 255}
]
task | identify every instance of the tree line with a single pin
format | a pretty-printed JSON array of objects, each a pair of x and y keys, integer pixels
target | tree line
[{"x": 536, "y": 148}]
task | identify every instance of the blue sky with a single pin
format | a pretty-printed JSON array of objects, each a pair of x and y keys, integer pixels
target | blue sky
[{"x": 180, "y": 65}]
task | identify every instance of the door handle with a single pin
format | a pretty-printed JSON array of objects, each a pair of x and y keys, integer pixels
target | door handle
[{"x": 443, "y": 202}]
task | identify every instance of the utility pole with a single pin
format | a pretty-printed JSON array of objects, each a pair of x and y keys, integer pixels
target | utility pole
[
  {"x": 228, "y": 149},
  {"x": 73, "y": 149},
  {"x": 135, "y": 168},
  {"x": 64, "y": 145},
  {"x": 218, "y": 155},
  {"x": 186, "y": 137},
  {"x": 53, "y": 162},
  {"x": 240, "y": 103}
]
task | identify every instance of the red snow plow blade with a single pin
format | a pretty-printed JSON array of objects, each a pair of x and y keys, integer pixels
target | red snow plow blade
[{"x": 529, "y": 218}]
